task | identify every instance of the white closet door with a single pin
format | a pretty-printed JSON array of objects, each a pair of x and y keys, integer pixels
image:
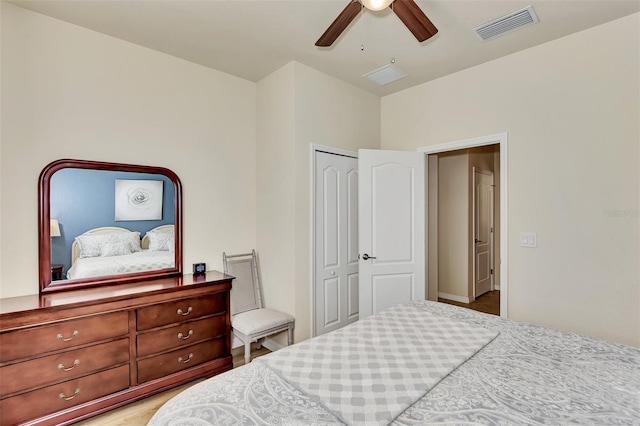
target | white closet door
[{"x": 336, "y": 241}]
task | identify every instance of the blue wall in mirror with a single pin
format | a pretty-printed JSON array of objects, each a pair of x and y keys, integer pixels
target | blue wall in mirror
[{"x": 82, "y": 199}]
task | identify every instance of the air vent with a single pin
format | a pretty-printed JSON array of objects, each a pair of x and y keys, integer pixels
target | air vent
[
  {"x": 385, "y": 75},
  {"x": 506, "y": 24}
]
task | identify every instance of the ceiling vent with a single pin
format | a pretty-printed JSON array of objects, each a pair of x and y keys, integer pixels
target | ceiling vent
[
  {"x": 506, "y": 24},
  {"x": 385, "y": 75}
]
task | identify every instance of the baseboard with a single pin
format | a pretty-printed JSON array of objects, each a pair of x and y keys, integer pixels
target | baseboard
[
  {"x": 496, "y": 287},
  {"x": 453, "y": 297}
]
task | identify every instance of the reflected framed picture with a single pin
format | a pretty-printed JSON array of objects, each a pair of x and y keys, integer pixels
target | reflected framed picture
[{"x": 138, "y": 199}]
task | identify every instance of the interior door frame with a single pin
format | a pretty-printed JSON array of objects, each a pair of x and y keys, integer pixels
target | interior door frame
[
  {"x": 500, "y": 139},
  {"x": 315, "y": 148},
  {"x": 473, "y": 227}
]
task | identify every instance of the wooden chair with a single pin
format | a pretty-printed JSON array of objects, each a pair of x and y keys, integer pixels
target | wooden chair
[{"x": 250, "y": 320}]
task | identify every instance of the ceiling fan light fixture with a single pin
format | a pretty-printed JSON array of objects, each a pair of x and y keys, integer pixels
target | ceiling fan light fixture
[{"x": 376, "y": 5}]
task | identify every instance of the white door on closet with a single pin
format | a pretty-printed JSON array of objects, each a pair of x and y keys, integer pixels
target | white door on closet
[
  {"x": 336, "y": 241},
  {"x": 391, "y": 221}
]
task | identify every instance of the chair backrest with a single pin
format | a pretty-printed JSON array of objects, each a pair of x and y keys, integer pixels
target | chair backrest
[{"x": 245, "y": 291}]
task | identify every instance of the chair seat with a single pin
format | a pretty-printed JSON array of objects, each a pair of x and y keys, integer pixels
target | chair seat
[{"x": 259, "y": 320}]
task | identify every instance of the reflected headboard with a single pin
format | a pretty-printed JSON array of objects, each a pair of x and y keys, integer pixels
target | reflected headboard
[
  {"x": 162, "y": 228},
  {"x": 75, "y": 249}
]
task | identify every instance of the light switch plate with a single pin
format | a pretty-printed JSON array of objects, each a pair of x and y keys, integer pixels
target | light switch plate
[{"x": 528, "y": 239}]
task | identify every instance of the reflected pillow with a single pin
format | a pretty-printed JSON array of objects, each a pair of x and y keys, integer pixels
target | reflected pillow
[
  {"x": 131, "y": 238},
  {"x": 115, "y": 249},
  {"x": 89, "y": 245},
  {"x": 161, "y": 241},
  {"x": 114, "y": 244}
]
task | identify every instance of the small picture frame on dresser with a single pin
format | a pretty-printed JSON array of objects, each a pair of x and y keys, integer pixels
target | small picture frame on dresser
[{"x": 199, "y": 268}]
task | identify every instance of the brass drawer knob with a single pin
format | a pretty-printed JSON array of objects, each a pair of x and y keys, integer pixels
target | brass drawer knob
[
  {"x": 69, "y": 398},
  {"x": 189, "y": 310},
  {"x": 63, "y": 368},
  {"x": 63, "y": 339},
  {"x": 184, "y": 361},
  {"x": 183, "y": 337}
]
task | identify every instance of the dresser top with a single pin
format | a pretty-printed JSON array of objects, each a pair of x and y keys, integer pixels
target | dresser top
[{"x": 68, "y": 299}]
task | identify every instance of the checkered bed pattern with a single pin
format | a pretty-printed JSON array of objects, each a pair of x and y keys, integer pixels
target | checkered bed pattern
[{"x": 371, "y": 371}]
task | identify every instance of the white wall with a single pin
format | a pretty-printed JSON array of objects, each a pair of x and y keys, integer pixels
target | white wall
[
  {"x": 324, "y": 111},
  {"x": 68, "y": 92},
  {"x": 571, "y": 110}
]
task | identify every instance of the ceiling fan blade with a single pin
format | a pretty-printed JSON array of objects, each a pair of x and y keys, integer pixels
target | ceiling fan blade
[
  {"x": 414, "y": 18},
  {"x": 340, "y": 24}
]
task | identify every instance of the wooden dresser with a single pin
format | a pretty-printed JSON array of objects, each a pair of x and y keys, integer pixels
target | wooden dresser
[{"x": 72, "y": 355}]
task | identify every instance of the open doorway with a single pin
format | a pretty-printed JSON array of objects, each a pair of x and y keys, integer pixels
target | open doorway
[
  {"x": 498, "y": 147},
  {"x": 467, "y": 223}
]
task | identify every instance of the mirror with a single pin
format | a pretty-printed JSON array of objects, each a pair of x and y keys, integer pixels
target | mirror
[{"x": 107, "y": 223}]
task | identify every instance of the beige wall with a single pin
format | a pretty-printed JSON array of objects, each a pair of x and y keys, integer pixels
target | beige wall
[
  {"x": 455, "y": 219},
  {"x": 453, "y": 231},
  {"x": 241, "y": 150},
  {"x": 433, "y": 240},
  {"x": 571, "y": 110},
  {"x": 276, "y": 188},
  {"x": 68, "y": 92},
  {"x": 323, "y": 111}
]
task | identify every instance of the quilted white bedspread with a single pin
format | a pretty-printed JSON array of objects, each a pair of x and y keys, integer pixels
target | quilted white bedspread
[
  {"x": 527, "y": 375},
  {"x": 144, "y": 260},
  {"x": 371, "y": 371}
]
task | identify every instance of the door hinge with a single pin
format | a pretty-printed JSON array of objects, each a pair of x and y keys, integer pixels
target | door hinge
[
  {"x": 492, "y": 229},
  {"x": 492, "y": 271}
]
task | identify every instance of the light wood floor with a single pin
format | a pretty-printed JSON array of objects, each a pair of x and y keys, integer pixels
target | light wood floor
[{"x": 139, "y": 413}]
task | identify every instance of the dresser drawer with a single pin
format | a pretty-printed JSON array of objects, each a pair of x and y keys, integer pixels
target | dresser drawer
[
  {"x": 184, "y": 334},
  {"x": 180, "y": 310},
  {"x": 61, "y": 396},
  {"x": 63, "y": 366},
  {"x": 183, "y": 358},
  {"x": 62, "y": 335}
]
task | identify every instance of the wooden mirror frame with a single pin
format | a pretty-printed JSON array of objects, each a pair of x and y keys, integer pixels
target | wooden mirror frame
[{"x": 44, "y": 225}]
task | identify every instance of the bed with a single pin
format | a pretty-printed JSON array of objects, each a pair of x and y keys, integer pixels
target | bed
[
  {"x": 424, "y": 363},
  {"x": 114, "y": 250}
]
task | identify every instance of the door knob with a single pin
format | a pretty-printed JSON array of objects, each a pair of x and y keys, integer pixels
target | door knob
[
  {"x": 478, "y": 241},
  {"x": 367, "y": 257}
]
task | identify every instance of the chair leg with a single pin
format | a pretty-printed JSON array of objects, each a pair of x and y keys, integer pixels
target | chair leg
[
  {"x": 290, "y": 335},
  {"x": 247, "y": 352}
]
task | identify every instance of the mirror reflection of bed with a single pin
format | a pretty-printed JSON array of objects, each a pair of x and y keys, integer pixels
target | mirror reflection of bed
[
  {"x": 90, "y": 199},
  {"x": 114, "y": 250}
]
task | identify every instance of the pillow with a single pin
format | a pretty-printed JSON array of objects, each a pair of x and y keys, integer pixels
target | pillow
[
  {"x": 131, "y": 238},
  {"x": 89, "y": 245},
  {"x": 115, "y": 249},
  {"x": 161, "y": 241},
  {"x": 113, "y": 244}
]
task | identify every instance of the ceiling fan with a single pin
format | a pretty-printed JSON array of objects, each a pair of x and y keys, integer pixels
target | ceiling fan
[{"x": 407, "y": 10}]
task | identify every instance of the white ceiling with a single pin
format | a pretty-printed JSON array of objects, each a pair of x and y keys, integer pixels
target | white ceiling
[{"x": 253, "y": 38}]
